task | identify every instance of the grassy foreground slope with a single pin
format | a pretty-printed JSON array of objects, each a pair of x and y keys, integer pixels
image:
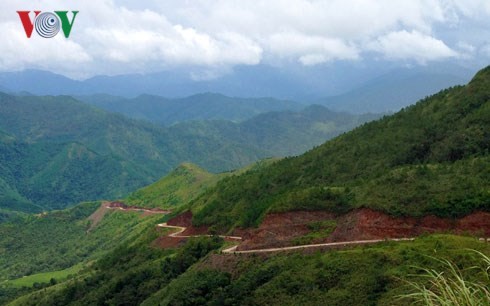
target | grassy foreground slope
[
  {"x": 374, "y": 275},
  {"x": 430, "y": 158}
]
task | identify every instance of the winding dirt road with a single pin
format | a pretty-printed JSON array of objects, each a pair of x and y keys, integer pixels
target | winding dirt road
[
  {"x": 181, "y": 229},
  {"x": 232, "y": 250}
]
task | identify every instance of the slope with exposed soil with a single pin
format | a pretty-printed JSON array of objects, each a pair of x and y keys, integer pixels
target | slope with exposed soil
[{"x": 282, "y": 231}]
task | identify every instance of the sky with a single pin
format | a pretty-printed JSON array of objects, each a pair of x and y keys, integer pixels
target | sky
[{"x": 211, "y": 37}]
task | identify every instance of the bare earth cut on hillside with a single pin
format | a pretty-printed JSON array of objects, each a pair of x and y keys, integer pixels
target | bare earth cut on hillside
[{"x": 280, "y": 231}]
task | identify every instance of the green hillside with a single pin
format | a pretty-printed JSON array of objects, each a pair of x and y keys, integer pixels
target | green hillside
[
  {"x": 375, "y": 275},
  {"x": 176, "y": 189},
  {"x": 195, "y": 275},
  {"x": 57, "y": 151},
  {"x": 38, "y": 176},
  {"x": 184, "y": 184},
  {"x": 36, "y": 248},
  {"x": 430, "y": 158},
  {"x": 283, "y": 133},
  {"x": 59, "y": 239}
]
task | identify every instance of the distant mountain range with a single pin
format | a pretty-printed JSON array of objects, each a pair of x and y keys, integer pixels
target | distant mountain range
[
  {"x": 298, "y": 83},
  {"x": 388, "y": 93},
  {"x": 207, "y": 106},
  {"x": 340, "y": 86}
]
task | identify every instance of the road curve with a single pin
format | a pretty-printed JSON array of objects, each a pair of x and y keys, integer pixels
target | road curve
[
  {"x": 181, "y": 229},
  {"x": 232, "y": 250}
]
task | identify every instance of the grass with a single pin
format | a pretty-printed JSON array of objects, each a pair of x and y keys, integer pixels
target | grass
[
  {"x": 362, "y": 275},
  {"x": 451, "y": 288},
  {"x": 176, "y": 189},
  {"x": 29, "y": 281},
  {"x": 183, "y": 184}
]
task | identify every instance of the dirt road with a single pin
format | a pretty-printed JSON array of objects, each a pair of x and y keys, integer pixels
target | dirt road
[
  {"x": 137, "y": 209},
  {"x": 232, "y": 250},
  {"x": 181, "y": 229}
]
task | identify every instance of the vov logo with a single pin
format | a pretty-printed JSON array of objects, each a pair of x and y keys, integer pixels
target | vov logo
[{"x": 47, "y": 24}]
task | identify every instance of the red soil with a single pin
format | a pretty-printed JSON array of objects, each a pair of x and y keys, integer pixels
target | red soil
[
  {"x": 280, "y": 229},
  {"x": 165, "y": 242},
  {"x": 362, "y": 224},
  {"x": 368, "y": 224},
  {"x": 185, "y": 220},
  {"x": 478, "y": 223}
]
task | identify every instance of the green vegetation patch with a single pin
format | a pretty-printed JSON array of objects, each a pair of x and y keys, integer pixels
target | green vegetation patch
[
  {"x": 128, "y": 275},
  {"x": 176, "y": 189},
  {"x": 45, "y": 278},
  {"x": 319, "y": 230},
  {"x": 369, "y": 275},
  {"x": 59, "y": 240}
]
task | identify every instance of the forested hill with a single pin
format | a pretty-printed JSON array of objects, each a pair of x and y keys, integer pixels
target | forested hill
[
  {"x": 56, "y": 151},
  {"x": 430, "y": 158}
]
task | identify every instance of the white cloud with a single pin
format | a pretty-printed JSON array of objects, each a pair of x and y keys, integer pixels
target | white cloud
[
  {"x": 56, "y": 53},
  {"x": 403, "y": 45},
  {"x": 310, "y": 50},
  {"x": 126, "y": 36}
]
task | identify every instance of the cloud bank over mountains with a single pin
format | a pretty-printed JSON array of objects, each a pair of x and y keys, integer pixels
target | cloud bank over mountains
[{"x": 210, "y": 37}]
